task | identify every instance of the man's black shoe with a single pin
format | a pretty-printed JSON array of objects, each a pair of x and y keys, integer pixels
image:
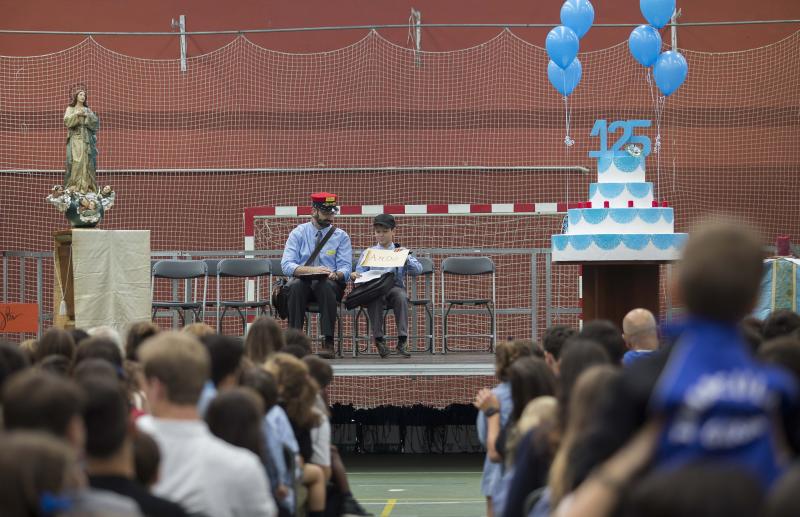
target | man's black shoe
[
  {"x": 380, "y": 344},
  {"x": 401, "y": 346},
  {"x": 326, "y": 352}
]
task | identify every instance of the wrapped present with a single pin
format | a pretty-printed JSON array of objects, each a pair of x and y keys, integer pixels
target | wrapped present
[{"x": 779, "y": 286}]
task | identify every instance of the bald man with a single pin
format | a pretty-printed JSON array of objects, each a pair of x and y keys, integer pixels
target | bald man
[{"x": 641, "y": 334}]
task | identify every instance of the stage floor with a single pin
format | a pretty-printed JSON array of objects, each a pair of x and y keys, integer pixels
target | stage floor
[
  {"x": 481, "y": 364},
  {"x": 434, "y": 380}
]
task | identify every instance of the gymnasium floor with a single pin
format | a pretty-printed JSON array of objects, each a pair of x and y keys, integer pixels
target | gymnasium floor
[{"x": 416, "y": 485}]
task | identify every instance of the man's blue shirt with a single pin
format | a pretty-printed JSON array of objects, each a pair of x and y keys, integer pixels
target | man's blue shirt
[{"x": 336, "y": 255}]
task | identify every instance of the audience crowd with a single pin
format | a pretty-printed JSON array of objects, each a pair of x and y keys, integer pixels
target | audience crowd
[
  {"x": 158, "y": 423},
  {"x": 700, "y": 417}
]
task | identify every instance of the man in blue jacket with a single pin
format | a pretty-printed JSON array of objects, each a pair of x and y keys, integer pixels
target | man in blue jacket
[{"x": 324, "y": 280}]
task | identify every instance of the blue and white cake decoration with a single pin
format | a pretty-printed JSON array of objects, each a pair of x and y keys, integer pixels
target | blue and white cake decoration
[{"x": 622, "y": 221}]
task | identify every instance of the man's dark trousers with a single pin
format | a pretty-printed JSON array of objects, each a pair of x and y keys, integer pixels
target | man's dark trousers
[{"x": 327, "y": 294}]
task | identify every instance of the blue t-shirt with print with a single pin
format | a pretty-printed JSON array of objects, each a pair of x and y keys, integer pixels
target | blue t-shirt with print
[{"x": 719, "y": 403}]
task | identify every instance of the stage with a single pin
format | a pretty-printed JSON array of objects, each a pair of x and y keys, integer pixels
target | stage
[{"x": 434, "y": 380}]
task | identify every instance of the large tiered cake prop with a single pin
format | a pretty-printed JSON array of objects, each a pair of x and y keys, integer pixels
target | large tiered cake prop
[{"x": 621, "y": 221}]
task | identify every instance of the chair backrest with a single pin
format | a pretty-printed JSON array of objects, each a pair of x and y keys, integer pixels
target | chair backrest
[
  {"x": 180, "y": 269},
  {"x": 212, "y": 266},
  {"x": 275, "y": 267},
  {"x": 427, "y": 265},
  {"x": 467, "y": 265},
  {"x": 425, "y": 287},
  {"x": 244, "y": 267}
]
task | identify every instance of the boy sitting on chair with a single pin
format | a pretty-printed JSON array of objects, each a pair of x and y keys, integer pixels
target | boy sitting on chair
[{"x": 396, "y": 299}]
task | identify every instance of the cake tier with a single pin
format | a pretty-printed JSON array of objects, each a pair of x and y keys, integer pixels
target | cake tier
[
  {"x": 617, "y": 247},
  {"x": 620, "y": 169},
  {"x": 590, "y": 221},
  {"x": 618, "y": 194}
]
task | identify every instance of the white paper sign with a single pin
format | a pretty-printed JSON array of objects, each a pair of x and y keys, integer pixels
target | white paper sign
[
  {"x": 368, "y": 276},
  {"x": 384, "y": 258}
]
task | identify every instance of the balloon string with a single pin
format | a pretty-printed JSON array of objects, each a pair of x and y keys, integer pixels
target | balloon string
[
  {"x": 658, "y": 107},
  {"x": 569, "y": 142}
]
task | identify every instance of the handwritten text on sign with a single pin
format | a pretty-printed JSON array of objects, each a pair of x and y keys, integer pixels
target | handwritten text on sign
[
  {"x": 384, "y": 258},
  {"x": 19, "y": 317}
]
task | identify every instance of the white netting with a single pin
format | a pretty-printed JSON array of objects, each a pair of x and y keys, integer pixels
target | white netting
[{"x": 188, "y": 152}]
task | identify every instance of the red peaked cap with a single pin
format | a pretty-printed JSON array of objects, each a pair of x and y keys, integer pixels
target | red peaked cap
[{"x": 324, "y": 201}]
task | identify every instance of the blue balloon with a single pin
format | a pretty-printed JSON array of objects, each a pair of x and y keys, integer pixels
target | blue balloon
[
  {"x": 645, "y": 44},
  {"x": 657, "y": 12},
  {"x": 670, "y": 71},
  {"x": 562, "y": 45},
  {"x": 564, "y": 80},
  {"x": 578, "y": 15}
]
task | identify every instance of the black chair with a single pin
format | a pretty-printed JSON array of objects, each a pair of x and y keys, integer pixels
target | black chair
[
  {"x": 468, "y": 267},
  {"x": 247, "y": 269},
  {"x": 211, "y": 264},
  {"x": 275, "y": 273},
  {"x": 185, "y": 270},
  {"x": 415, "y": 299}
]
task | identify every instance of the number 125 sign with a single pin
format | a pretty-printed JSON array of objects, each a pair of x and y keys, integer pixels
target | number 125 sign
[{"x": 602, "y": 129}]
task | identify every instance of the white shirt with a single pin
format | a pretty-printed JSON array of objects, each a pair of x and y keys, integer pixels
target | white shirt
[
  {"x": 321, "y": 442},
  {"x": 208, "y": 475}
]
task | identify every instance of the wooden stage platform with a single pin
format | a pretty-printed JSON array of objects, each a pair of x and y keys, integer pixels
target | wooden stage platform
[{"x": 435, "y": 380}]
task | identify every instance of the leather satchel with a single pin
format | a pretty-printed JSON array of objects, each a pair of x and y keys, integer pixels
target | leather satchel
[
  {"x": 362, "y": 294},
  {"x": 280, "y": 293}
]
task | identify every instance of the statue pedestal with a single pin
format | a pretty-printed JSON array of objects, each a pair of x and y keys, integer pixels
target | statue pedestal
[
  {"x": 104, "y": 277},
  {"x": 612, "y": 289},
  {"x": 63, "y": 314}
]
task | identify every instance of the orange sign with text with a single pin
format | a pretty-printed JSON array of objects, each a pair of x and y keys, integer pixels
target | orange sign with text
[{"x": 19, "y": 317}]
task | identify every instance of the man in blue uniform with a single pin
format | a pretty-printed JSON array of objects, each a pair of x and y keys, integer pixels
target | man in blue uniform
[
  {"x": 397, "y": 298},
  {"x": 322, "y": 281}
]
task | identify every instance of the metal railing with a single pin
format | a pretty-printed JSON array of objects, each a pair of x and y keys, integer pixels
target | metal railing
[{"x": 27, "y": 277}]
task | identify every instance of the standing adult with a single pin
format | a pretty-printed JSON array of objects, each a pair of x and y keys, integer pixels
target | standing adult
[{"x": 323, "y": 279}]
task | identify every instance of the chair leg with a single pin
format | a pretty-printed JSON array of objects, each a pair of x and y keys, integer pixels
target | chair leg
[
  {"x": 492, "y": 327},
  {"x": 222, "y": 319},
  {"x": 429, "y": 327},
  {"x": 340, "y": 334},
  {"x": 444, "y": 327},
  {"x": 356, "y": 336},
  {"x": 355, "y": 333},
  {"x": 244, "y": 320}
]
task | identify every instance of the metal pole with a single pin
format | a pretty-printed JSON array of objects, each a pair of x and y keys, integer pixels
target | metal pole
[
  {"x": 416, "y": 18},
  {"x": 237, "y": 32},
  {"x": 22, "y": 279},
  {"x": 673, "y": 29},
  {"x": 534, "y": 298},
  {"x": 180, "y": 24},
  {"x": 5, "y": 278},
  {"x": 548, "y": 271},
  {"x": 411, "y": 168},
  {"x": 39, "y": 297}
]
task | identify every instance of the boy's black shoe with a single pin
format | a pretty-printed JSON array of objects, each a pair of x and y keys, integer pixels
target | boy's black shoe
[
  {"x": 401, "y": 346},
  {"x": 380, "y": 344}
]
